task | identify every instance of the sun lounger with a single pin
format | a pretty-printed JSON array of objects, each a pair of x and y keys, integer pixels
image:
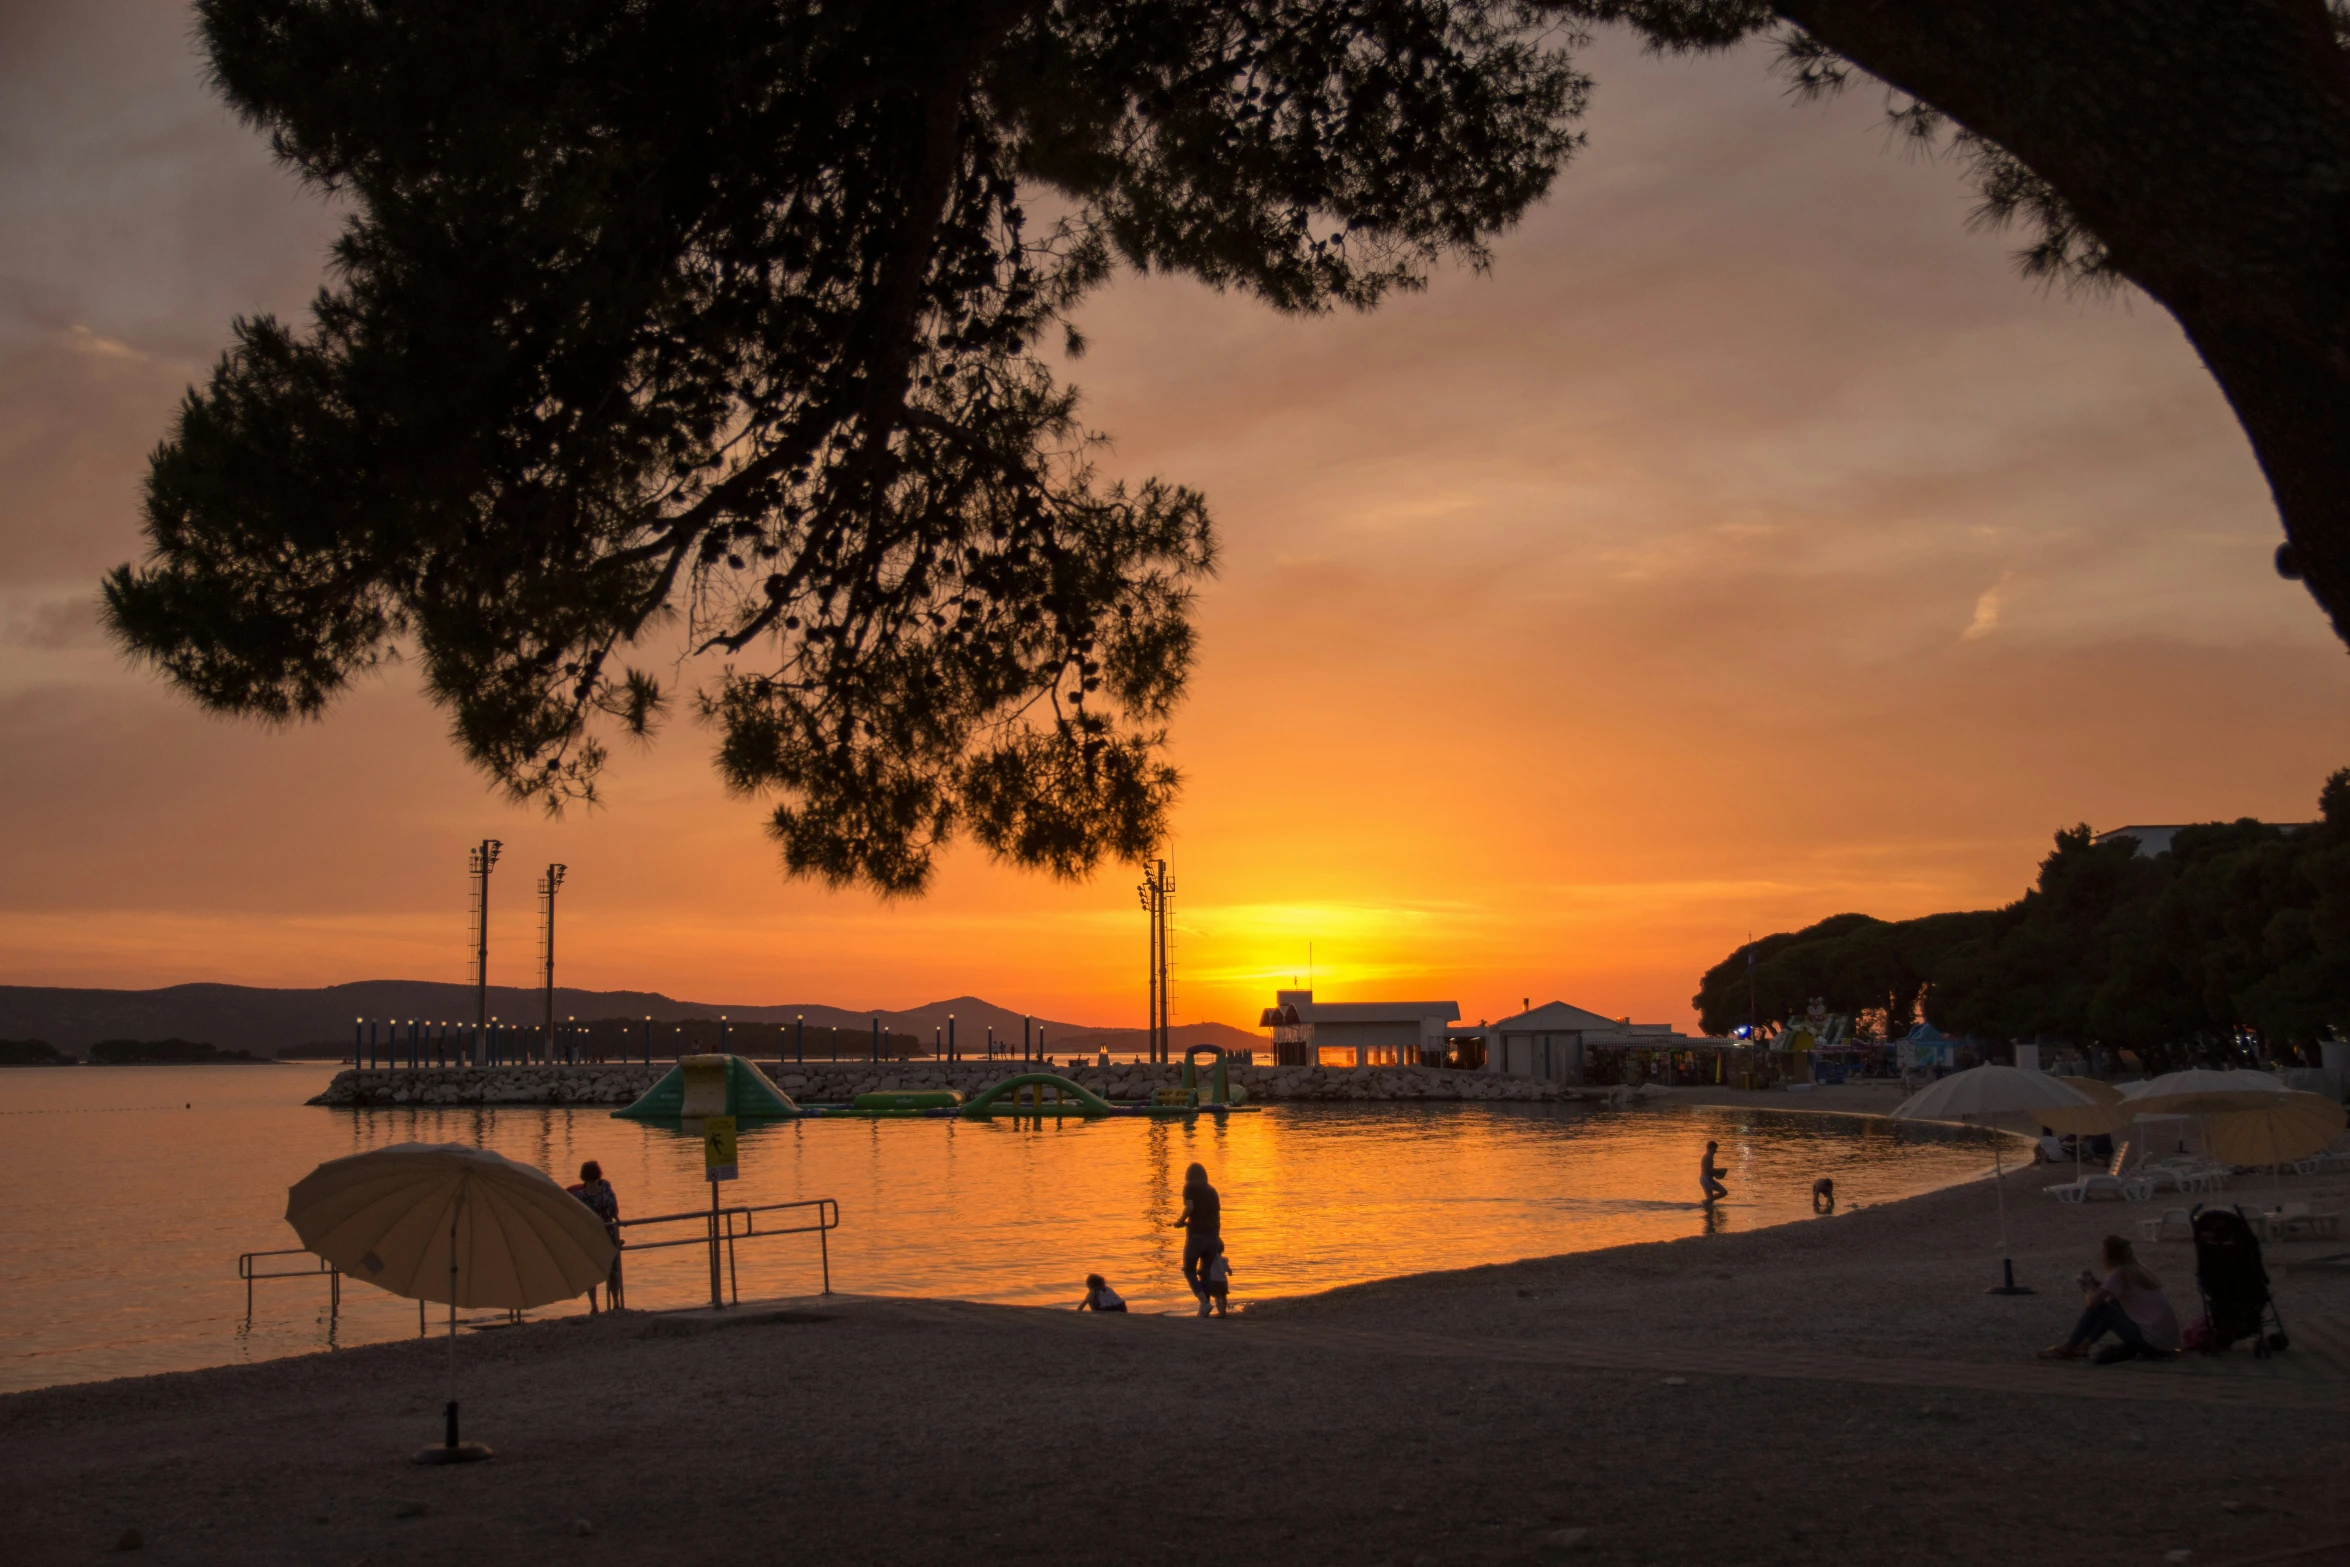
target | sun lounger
[
  {"x": 2109, "y": 1183},
  {"x": 2294, "y": 1220},
  {"x": 2133, "y": 1188},
  {"x": 2176, "y": 1224},
  {"x": 2186, "y": 1174}
]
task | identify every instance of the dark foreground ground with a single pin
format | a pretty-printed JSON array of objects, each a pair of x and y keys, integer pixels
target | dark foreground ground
[{"x": 1839, "y": 1391}]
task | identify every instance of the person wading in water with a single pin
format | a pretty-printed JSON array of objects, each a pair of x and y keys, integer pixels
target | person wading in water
[
  {"x": 1202, "y": 1222},
  {"x": 1709, "y": 1177}
]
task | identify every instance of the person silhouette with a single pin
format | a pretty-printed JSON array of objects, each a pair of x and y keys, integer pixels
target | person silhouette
[
  {"x": 604, "y": 1203},
  {"x": 1709, "y": 1177},
  {"x": 1202, "y": 1221}
]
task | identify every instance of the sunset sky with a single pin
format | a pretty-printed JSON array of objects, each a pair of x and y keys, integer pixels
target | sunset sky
[{"x": 1748, "y": 546}]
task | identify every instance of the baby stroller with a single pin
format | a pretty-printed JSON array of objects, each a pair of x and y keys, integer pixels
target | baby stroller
[{"x": 2228, "y": 1271}]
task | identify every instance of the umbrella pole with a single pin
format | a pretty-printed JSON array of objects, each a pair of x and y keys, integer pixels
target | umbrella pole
[
  {"x": 2008, "y": 1285},
  {"x": 451, "y": 1450},
  {"x": 450, "y": 1441},
  {"x": 1999, "y": 1185}
]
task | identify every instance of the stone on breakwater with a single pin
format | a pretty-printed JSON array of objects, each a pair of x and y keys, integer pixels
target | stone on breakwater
[{"x": 839, "y": 1082}]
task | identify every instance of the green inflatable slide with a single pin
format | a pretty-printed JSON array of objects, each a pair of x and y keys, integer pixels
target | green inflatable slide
[{"x": 712, "y": 1085}]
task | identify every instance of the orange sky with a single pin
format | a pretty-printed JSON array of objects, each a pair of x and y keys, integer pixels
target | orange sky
[{"x": 1748, "y": 546}]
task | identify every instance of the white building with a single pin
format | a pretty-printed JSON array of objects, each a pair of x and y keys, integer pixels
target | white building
[
  {"x": 1551, "y": 1041},
  {"x": 1360, "y": 1033}
]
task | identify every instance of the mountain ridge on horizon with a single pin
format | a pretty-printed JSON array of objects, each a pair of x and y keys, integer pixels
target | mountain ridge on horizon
[{"x": 267, "y": 1019}]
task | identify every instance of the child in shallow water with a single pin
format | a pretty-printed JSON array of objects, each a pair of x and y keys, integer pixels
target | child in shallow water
[
  {"x": 1099, "y": 1296},
  {"x": 1709, "y": 1176},
  {"x": 1218, "y": 1277}
]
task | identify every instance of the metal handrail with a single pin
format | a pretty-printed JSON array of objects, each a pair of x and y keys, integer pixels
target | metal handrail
[
  {"x": 334, "y": 1277},
  {"x": 719, "y": 1231}
]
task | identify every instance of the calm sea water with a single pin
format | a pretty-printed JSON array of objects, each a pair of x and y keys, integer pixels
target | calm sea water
[{"x": 129, "y": 1192}]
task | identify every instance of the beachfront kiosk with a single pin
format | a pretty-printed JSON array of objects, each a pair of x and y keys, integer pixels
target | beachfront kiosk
[{"x": 1561, "y": 1043}]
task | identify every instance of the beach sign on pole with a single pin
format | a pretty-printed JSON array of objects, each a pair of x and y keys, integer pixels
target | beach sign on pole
[{"x": 718, "y": 1160}]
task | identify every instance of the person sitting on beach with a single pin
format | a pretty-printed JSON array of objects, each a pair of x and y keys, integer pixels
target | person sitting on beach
[
  {"x": 1099, "y": 1296},
  {"x": 1709, "y": 1176},
  {"x": 1218, "y": 1277},
  {"x": 2129, "y": 1304},
  {"x": 1203, "y": 1221},
  {"x": 604, "y": 1203}
]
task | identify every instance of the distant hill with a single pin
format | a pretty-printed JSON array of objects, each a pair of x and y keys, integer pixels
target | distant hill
[{"x": 245, "y": 1017}]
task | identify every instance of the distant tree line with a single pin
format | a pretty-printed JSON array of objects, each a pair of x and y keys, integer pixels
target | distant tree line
[
  {"x": 2239, "y": 934},
  {"x": 119, "y": 1052},
  {"x": 161, "y": 1052}
]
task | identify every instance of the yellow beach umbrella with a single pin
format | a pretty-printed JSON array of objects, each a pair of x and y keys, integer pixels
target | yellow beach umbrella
[
  {"x": 2278, "y": 1131},
  {"x": 2106, "y": 1111},
  {"x": 448, "y": 1222},
  {"x": 2212, "y": 1102}
]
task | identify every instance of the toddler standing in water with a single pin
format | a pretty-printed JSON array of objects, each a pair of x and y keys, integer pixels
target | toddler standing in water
[{"x": 1218, "y": 1277}]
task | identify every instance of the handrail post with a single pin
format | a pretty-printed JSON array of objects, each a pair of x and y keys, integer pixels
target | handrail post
[{"x": 715, "y": 1301}]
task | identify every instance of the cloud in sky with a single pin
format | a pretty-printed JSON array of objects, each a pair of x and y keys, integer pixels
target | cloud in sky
[
  {"x": 1575, "y": 618},
  {"x": 1986, "y": 618}
]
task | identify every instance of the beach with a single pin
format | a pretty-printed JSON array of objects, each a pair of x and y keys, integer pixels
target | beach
[{"x": 1838, "y": 1389}]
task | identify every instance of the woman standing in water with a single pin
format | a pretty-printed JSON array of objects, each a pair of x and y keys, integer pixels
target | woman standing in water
[{"x": 1202, "y": 1222}]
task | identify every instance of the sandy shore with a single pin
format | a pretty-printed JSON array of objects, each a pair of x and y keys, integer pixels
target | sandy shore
[{"x": 1840, "y": 1390}]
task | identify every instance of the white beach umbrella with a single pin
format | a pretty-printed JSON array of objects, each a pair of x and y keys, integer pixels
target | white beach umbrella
[
  {"x": 447, "y": 1222},
  {"x": 1987, "y": 1095}
]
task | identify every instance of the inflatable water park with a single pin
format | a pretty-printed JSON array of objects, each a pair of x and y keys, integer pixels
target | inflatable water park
[{"x": 708, "y": 1085}]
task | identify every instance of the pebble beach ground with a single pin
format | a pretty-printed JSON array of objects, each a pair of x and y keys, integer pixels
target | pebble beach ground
[{"x": 1839, "y": 1390}]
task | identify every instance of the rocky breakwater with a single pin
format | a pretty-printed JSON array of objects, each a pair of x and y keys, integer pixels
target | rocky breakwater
[
  {"x": 610, "y": 1083},
  {"x": 839, "y": 1082},
  {"x": 1133, "y": 1081}
]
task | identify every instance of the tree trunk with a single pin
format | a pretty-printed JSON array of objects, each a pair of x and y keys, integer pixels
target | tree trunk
[{"x": 2207, "y": 144}]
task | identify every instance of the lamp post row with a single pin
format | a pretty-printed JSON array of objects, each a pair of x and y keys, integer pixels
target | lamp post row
[{"x": 485, "y": 1047}]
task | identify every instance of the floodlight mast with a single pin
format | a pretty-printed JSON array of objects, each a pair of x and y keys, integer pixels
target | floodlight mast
[
  {"x": 549, "y": 885},
  {"x": 484, "y": 859},
  {"x": 1157, "y": 897}
]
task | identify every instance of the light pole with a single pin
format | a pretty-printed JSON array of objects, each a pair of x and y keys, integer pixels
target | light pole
[{"x": 549, "y": 885}]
